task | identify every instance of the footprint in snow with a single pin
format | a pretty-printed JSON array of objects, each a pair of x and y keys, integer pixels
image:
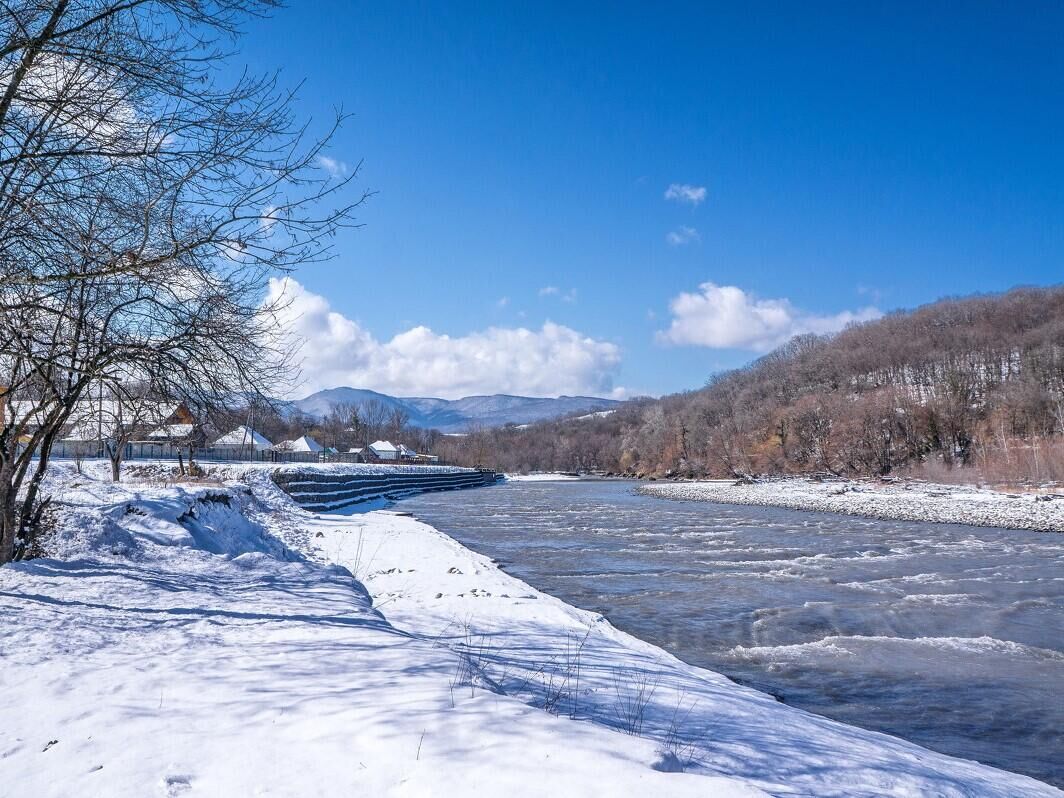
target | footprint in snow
[{"x": 173, "y": 786}]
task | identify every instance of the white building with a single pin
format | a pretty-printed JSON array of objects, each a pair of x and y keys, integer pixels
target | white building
[
  {"x": 171, "y": 432},
  {"x": 384, "y": 450},
  {"x": 242, "y": 439},
  {"x": 303, "y": 444}
]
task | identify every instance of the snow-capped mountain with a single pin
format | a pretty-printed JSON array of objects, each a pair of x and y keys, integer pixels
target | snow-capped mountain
[{"x": 458, "y": 415}]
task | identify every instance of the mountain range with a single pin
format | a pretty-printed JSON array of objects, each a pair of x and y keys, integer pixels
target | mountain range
[{"x": 457, "y": 415}]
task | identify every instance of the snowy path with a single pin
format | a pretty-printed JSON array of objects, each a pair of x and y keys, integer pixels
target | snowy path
[{"x": 196, "y": 641}]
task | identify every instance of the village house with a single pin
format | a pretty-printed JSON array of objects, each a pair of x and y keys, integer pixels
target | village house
[
  {"x": 180, "y": 428},
  {"x": 384, "y": 451},
  {"x": 151, "y": 428},
  {"x": 388, "y": 452},
  {"x": 302, "y": 444},
  {"x": 241, "y": 442}
]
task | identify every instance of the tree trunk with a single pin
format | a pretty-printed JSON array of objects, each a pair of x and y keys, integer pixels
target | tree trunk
[
  {"x": 28, "y": 518},
  {"x": 8, "y": 527}
]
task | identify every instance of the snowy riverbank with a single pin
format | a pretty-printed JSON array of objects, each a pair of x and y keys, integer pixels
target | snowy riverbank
[
  {"x": 904, "y": 501},
  {"x": 219, "y": 640}
]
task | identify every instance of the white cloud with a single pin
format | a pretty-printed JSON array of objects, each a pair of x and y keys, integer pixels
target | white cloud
[
  {"x": 553, "y": 290},
  {"x": 336, "y": 350},
  {"x": 682, "y": 235},
  {"x": 334, "y": 167},
  {"x": 106, "y": 116},
  {"x": 870, "y": 291},
  {"x": 502, "y": 302},
  {"x": 683, "y": 192},
  {"x": 726, "y": 317},
  {"x": 268, "y": 219}
]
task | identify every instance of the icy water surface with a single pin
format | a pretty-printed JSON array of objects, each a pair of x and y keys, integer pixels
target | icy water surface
[{"x": 950, "y": 636}]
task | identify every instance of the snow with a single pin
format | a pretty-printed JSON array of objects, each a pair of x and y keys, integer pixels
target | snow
[
  {"x": 385, "y": 450},
  {"x": 171, "y": 431},
  {"x": 215, "y": 639},
  {"x": 301, "y": 444},
  {"x": 243, "y": 436},
  {"x": 92, "y": 410},
  {"x": 906, "y": 501},
  {"x": 597, "y": 414}
]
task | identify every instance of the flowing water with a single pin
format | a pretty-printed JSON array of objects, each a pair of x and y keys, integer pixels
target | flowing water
[{"x": 950, "y": 636}]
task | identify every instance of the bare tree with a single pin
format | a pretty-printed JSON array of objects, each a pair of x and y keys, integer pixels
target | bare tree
[
  {"x": 396, "y": 424},
  {"x": 143, "y": 206},
  {"x": 342, "y": 425},
  {"x": 375, "y": 416},
  {"x": 958, "y": 383}
]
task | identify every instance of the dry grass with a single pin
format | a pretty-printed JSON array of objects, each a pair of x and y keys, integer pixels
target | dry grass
[{"x": 1016, "y": 465}]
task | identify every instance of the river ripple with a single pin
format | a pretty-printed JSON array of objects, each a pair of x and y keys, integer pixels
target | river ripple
[{"x": 950, "y": 636}]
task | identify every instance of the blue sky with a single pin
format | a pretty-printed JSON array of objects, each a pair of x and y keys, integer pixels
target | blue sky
[{"x": 855, "y": 158}]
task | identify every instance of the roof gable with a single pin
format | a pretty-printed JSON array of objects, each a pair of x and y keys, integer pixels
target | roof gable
[{"x": 242, "y": 436}]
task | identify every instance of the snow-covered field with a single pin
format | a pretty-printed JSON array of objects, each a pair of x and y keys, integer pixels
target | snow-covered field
[
  {"x": 220, "y": 641},
  {"x": 905, "y": 501}
]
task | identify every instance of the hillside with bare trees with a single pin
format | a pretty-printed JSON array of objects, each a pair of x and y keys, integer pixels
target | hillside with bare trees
[{"x": 969, "y": 388}]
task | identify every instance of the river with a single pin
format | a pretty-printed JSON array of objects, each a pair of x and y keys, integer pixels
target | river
[{"x": 950, "y": 636}]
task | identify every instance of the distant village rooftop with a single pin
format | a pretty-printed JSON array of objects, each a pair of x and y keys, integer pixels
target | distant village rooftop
[{"x": 304, "y": 443}]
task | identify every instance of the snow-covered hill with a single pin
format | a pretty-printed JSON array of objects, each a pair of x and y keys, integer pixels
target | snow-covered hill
[
  {"x": 458, "y": 415},
  {"x": 218, "y": 640}
]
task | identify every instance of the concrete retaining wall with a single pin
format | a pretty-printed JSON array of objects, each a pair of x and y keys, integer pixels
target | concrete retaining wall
[{"x": 325, "y": 491}]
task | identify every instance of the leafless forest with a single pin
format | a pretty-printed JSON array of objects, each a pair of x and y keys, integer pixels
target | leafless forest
[{"x": 968, "y": 389}]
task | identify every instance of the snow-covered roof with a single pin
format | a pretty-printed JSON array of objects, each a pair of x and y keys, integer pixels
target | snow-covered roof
[
  {"x": 85, "y": 432},
  {"x": 354, "y": 450},
  {"x": 302, "y": 444},
  {"x": 406, "y": 450},
  {"x": 92, "y": 416},
  {"x": 170, "y": 431},
  {"x": 242, "y": 436},
  {"x": 383, "y": 446}
]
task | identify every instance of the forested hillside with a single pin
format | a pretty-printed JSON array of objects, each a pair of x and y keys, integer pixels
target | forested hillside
[{"x": 974, "y": 383}]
